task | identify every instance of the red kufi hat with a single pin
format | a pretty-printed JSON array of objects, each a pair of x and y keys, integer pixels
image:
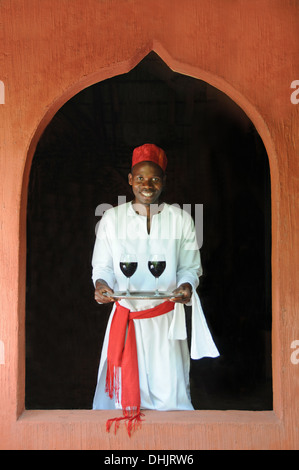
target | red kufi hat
[{"x": 149, "y": 153}]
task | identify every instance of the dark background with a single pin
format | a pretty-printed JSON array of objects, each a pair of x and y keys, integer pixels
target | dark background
[{"x": 216, "y": 158}]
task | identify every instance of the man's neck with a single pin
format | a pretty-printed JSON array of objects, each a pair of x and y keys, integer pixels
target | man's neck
[{"x": 147, "y": 210}]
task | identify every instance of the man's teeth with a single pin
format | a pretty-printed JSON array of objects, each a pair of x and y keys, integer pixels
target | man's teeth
[{"x": 147, "y": 193}]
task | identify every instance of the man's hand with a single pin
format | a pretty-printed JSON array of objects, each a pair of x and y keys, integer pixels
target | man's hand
[
  {"x": 100, "y": 289},
  {"x": 186, "y": 291}
]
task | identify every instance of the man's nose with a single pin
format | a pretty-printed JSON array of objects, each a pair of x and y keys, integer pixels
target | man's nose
[{"x": 147, "y": 184}]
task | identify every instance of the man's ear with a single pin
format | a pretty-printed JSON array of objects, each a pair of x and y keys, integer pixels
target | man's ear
[{"x": 130, "y": 177}]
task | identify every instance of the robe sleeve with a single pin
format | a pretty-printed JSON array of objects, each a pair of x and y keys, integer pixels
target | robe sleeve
[
  {"x": 102, "y": 260},
  {"x": 189, "y": 269},
  {"x": 189, "y": 264},
  {"x": 202, "y": 343}
]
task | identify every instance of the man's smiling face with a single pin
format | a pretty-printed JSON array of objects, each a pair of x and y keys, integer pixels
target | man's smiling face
[{"x": 147, "y": 180}]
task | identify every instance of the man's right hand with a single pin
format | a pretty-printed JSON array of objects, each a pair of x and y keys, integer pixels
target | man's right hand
[{"x": 102, "y": 288}]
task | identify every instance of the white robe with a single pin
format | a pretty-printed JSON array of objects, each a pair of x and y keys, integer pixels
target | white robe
[{"x": 163, "y": 354}]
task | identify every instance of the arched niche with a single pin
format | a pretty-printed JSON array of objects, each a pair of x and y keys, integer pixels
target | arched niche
[{"x": 217, "y": 159}]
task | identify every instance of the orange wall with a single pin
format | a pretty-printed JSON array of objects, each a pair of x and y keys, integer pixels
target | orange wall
[{"x": 50, "y": 50}]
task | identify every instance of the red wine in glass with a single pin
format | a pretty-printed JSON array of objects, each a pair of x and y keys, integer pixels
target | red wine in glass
[
  {"x": 128, "y": 265},
  {"x": 128, "y": 268},
  {"x": 157, "y": 265}
]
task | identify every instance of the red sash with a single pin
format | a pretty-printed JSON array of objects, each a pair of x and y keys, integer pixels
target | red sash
[{"x": 122, "y": 356}]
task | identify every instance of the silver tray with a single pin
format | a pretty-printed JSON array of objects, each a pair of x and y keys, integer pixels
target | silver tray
[{"x": 143, "y": 295}]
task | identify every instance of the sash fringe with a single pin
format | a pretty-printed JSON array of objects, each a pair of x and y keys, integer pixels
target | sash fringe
[
  {"x": 132, "y": 418},
  {"x": 112, "y": 386}
]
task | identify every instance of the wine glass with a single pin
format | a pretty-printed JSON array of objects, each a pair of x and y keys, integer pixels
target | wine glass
[
  {"x": 128, "y": 265},
  {"x": 156, "y": 265}
]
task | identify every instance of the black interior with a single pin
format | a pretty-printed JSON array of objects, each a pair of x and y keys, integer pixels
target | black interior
[{"x": 216, "y": 158}]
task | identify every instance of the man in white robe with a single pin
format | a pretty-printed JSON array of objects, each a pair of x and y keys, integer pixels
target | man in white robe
[{"x": 143, "y": 227}]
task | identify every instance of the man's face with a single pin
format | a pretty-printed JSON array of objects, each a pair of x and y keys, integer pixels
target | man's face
[{"x": 147, "y": 180}]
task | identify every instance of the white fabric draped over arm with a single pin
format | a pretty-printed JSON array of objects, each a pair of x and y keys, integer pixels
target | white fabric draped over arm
[
  {"x": 202, "y": 344},
  {"x": 189, "y": 270}
]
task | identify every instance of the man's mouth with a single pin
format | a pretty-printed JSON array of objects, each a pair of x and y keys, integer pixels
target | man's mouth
[{"x": 147, "y": 193}]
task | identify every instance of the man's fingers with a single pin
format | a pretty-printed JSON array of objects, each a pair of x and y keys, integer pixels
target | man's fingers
[
  {"x": 104, "y": 294},
  {"x": 182, "y": 295}
]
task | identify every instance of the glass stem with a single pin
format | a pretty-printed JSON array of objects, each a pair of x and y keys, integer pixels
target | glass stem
[
  {"x": 157, "y": 291},
  {"x": 128, "y": 286}
]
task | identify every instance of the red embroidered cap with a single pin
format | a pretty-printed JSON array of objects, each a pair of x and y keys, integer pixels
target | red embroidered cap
[{"x": 149, "y": 153}]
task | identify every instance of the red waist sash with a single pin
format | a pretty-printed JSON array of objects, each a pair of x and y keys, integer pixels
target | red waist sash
[{"x": 122, "y": 356}]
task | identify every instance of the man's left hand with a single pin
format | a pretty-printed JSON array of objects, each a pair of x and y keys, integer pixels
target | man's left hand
[{"x": 185, "y": 290}]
